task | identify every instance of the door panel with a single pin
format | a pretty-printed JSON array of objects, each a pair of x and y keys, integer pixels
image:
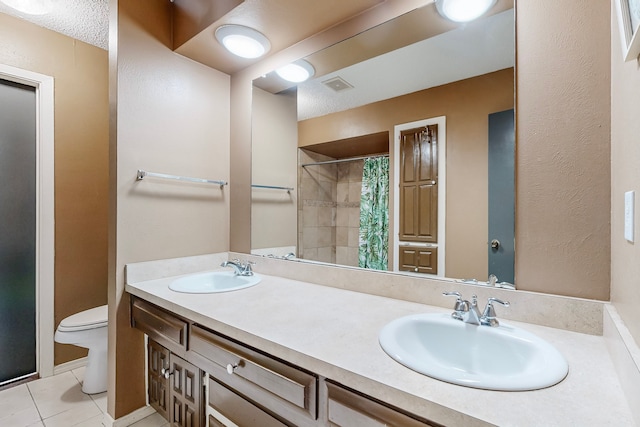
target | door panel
[
  {"x": 158, "y": 384},
  {"x": 186, "y": 392},
  {"x": 502, "y": 195},
  {"x": 17, "y": 230},
  {"x": 419, "y": 185}
]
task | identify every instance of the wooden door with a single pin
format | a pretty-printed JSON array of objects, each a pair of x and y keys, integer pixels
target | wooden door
[
  {"x": 158, "y": 385},
  {"x": 186, "y": 408},
  {"x": 419, "y": 185}
]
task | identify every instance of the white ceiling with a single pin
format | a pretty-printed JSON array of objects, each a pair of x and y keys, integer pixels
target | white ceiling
[
  {"x": 480, "y": 47},
  {"x": 84, "y": 20}
]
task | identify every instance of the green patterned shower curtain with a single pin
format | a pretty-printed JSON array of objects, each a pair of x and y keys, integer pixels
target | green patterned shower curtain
[{"x": 374, "y": 214}]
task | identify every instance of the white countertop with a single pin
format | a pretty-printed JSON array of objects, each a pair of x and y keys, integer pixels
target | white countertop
[{"x": 334, "y": 333}]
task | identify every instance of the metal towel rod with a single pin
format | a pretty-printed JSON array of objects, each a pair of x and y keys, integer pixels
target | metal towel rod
[
  {"x": 273, "y": 187},
  {"x": 143, "y": 174}
]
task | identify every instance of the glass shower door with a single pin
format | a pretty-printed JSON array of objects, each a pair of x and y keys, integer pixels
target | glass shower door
[{"x": 17, "y": 231}]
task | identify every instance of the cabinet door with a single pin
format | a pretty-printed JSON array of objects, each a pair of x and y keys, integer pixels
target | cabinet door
[
  {"x": 185, "y": 394},
  {"x": 158, "y": 360}
]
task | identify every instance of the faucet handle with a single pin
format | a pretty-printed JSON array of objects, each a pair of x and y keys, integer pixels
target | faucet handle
[
  {"x": 247, "y": 267},
  {"x": 461, "y": 305},
  {"x": 489, "y": 313}
]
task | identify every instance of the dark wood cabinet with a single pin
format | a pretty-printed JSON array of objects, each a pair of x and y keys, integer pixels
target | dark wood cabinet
[
  {"x": 198, "y": 377},
  {"x": 186, "y": 393},
  {"x": 175, "y": 387},
  {"x": 418, "y": 259},
  {"x": 158, "y": 384}
]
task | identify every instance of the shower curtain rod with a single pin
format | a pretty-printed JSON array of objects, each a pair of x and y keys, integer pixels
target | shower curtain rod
[{"x": 351, "y": 159}]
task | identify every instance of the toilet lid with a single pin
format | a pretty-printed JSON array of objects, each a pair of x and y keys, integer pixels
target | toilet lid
[{"x": 88, "y": 319}]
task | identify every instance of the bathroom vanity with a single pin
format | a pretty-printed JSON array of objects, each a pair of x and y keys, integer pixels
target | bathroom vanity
[
  {"x": 289, "y": 352},
  {"x": 228, "y": 380}
]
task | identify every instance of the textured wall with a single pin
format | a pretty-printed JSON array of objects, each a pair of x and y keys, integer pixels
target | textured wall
[
  {"x": 81, "y": 161},
  {"x": 625, "y": 176},
  {"x": 562, "y": 133},
  {"x": 169, "y": 115}
]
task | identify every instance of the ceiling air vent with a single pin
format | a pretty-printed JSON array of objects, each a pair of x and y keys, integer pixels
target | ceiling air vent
[{"x": 337, "y": 84}]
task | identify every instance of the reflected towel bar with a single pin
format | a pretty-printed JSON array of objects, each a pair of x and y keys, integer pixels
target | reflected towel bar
[
  {"x": 143, "y": 174},
  {"x": 273, "y": 187}
]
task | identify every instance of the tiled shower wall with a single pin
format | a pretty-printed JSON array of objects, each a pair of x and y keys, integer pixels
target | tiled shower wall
[
  {"x": 329, "y": 210},
  {"x": 348, "y": 212}
]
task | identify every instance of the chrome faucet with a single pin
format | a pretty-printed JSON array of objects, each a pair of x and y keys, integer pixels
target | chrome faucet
[
  {"x": 468, "y": 312},
  {"x": 240, "y": 268}
]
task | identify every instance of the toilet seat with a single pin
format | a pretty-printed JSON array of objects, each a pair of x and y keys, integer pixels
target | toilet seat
[{"x": 88, "y": 319}]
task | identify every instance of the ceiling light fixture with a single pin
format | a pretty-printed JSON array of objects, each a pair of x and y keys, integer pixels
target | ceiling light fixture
[
  {"x": 463, "y": 10},
  {"x": 243, "y": 41},
  {"x": 297, "y": 71}
]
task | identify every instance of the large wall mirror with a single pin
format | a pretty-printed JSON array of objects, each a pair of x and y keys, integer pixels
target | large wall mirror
[{"x": 409, "y": 123}]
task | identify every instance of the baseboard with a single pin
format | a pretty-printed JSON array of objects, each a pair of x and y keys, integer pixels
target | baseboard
[
  {"x": 70, "y": 366},
  {"x": 128, "y": 419},
  {"x": 625, "y": 355}
]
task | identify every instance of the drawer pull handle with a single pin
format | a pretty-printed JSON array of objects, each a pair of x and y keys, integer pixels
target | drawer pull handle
[
  {"x": 166, "y": 373},
  {"x": 231, "y": 368}
]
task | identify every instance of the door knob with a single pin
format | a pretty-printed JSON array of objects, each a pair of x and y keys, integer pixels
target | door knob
[{"x": 495, "y": 244}]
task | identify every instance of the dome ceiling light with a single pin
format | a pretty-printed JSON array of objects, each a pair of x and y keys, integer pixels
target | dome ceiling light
[
  {"x": 297, "y": 71},
  {"x": 243, "y": 41},
  {"x": 463, "y": 10}
]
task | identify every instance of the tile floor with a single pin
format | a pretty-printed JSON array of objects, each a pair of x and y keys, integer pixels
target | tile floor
[{"x": 58, "y": 401}]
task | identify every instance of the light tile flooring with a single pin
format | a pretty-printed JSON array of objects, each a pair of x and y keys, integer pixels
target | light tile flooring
[{"x": 58, "y": 401}]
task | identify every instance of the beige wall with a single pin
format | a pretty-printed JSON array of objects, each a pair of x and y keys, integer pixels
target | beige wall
[
  {"x": 80, "y": 74},
  {"x": 563, "y": 142},
  {"x": 169, "y": 115},
  {"x": 466, "y": 105},
  {"x": 625, "y": 176},
  {"x": 274, "y": 142}
]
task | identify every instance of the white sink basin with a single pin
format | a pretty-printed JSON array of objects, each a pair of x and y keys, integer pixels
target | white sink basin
[
  {"x": 211, "y": 282},
  {"x": 493, "y": 358}
]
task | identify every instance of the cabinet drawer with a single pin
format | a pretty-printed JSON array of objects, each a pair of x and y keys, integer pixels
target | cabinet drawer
[
  {"x": 236, "y": 409},
  {"x": 347, "y": 408},
  {"x": 270, "y": 383},
  {"x": 158, "y": 324}
]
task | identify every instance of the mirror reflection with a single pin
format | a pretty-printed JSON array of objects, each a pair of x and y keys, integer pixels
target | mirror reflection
[{"x": 402, "y": 161}]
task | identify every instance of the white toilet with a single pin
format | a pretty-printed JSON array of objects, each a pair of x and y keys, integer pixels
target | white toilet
[{"x": 88, "y": 329}]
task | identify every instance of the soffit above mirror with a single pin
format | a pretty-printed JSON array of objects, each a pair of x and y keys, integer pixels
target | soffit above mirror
[{"x": 284, "y": 22}]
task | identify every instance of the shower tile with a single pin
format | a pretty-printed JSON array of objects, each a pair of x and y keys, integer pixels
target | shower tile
[
  {"x": 342, "y": 236},
  {"x": 342, "y": 255},
  {"x": 325, "y": 236},
  {"x": 343, "y": 192},
  {"x": 325, "y": 254},
  {"x": 354, "y": 217},
  {"x": 310, "y": 217},
  {"x": 325, "y": 216},
  {"x": 310, "y": 237},
  {"x": 355, "y": 191},
  {"x": 353, "y": 237},
  {"x": 342, "y": 217}
]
